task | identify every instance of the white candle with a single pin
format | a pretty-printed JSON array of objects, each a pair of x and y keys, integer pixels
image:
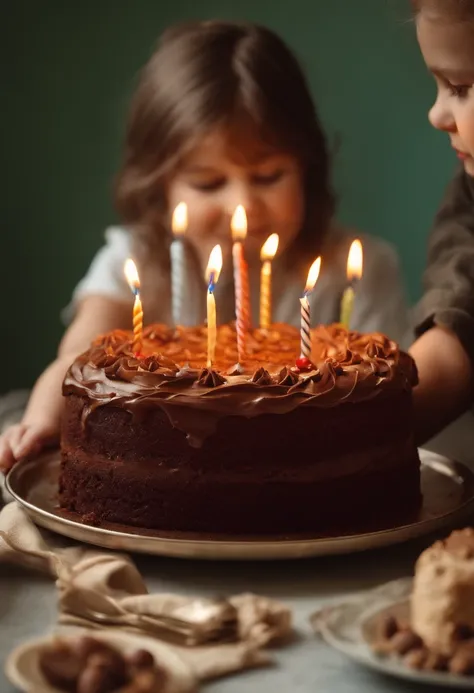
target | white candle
[
  {"x": 179, "y": 225},
  {"x": 305, "y": 331}
]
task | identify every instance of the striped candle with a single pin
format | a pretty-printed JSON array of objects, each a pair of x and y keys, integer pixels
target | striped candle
[
  {"x": 305, "y": 330},
  {"x": 241, "y": 282}
]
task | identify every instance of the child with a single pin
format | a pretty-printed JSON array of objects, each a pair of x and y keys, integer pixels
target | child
[
  {"x": 222, "y": 116},
  {"x": 444, "y": 352}
]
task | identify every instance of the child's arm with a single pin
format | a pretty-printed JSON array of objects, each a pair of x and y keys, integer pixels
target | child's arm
[
  {"x": 444, "y": 351},
  {"x": 40, "y": 424},
  {"x": 446, "y": 381}
]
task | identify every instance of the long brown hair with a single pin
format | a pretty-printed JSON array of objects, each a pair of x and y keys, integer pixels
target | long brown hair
[
  {"x": 203, "y": 75},
  {"x": 460, "y": 10}
]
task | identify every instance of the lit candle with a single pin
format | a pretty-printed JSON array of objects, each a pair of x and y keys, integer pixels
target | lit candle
[
  {"x": 179, "y": 224},
  {"x": 134, "y": 283},
  {"x": 354, "y": 273},
  {"x": 313, "y": 275},
  {"x": 238, "y": 226},
  {"x": 267, "y": 254},
  {"x": 213, "y": 270}
]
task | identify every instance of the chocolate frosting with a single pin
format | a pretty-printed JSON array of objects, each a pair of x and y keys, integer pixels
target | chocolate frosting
[{"x": 350, "y": 367}]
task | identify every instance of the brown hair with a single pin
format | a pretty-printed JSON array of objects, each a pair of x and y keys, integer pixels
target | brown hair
[
  {"x": 459, "y": 10},
  {"x": 205, "y": 74}
]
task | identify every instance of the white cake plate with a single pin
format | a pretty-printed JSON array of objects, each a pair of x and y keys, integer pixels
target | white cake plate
[
  {"x": 448, "y": 498},
  {"x": 351, "y": 628}
]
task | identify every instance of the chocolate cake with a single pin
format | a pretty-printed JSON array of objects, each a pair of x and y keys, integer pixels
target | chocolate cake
[{"x": 156, "y": 440}]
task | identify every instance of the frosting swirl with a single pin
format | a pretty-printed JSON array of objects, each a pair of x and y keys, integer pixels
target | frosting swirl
[{"x": 349, "y": 367}]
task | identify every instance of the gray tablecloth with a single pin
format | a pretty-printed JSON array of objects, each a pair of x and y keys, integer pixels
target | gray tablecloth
[{"x": 27, "y": 603}]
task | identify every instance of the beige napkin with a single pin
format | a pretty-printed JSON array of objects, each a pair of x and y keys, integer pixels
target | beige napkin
[{"x": 104, "y": 589}]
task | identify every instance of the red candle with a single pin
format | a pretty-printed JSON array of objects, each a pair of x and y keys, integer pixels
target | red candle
[{"x": 241, "y": 280}]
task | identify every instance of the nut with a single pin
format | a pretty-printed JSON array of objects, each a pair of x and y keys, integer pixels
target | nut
[
  {"x": 97, "y": 678},
  {"x": 462, "y": 663},
  {"x": 404, "y": 641},
  {"x": 60, "y": 667},
  {"x": 416, "y": 659},
  {"x": 387, "y": 627},
  {"x": 141, "y": 659},
  {"x": 436, "y": 662}
]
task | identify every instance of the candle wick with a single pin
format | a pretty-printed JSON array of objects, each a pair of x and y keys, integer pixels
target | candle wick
[
  {"x": 212, "y": 283},
  {"x": 136, "y": 291}
]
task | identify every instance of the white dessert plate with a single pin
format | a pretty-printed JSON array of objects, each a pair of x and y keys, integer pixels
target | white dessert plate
[
  {"x": 448, "y": 499},
  {"x": 23, "y": 670},
  {"x": 350, "y": 628}
]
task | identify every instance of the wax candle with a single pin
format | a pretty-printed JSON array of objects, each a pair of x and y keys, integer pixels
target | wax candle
[
  {"x": 242, "y": 296},
  {"x": 267, "y": 254},
  {"x": 213, "y": 270},
  {"x": 354, "y": 273},
  {"x": 131, "y": 274},
  {"x": 179, "y": 225},
  {"x": 305, "y": 332}
]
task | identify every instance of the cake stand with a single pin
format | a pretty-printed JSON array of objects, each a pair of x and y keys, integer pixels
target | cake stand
[{"x": 448, "y": 499}]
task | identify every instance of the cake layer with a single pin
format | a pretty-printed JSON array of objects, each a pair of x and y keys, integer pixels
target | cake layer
[{"x": 156, "y": 440}]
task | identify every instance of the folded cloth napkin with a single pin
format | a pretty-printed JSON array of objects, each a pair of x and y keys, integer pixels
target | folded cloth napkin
[{"x": 100, "y": 589}]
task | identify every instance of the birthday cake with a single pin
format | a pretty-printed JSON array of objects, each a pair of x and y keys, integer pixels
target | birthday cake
[{"x": 160, "y": 441}]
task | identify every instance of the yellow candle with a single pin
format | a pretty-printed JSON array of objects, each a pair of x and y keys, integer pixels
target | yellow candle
[
  {"x": 267, "y": 254},
  {"x": 347, "y": 305},
  {"x": 213, "y": 270},
  {"x": 354, "y": 273},
  {"x": 131, "y": 274}
]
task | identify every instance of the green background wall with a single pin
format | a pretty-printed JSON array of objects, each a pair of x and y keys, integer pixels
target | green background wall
[{"x": 68, "y": 69}]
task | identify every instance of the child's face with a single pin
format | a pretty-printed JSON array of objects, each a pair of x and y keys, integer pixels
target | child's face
[
  {"x": 218, "y": 175},
  {"x": 448, "y": 50}
]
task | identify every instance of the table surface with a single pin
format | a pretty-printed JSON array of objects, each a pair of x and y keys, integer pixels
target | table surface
[{"x": 28, "y": 602}]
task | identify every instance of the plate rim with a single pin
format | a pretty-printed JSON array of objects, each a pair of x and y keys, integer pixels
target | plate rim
[
  {"x": 360, "y": 651},
  {"x": 383, "y": 537}
]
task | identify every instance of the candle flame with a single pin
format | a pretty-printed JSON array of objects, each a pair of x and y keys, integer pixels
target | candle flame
[
  {"x": 131, "y": 274},
  {"x": 270, "y": 247},
  {"x": 238, "y": 224},
  {"x": 179, "y": 222},
  {"x": 214, "y": 265},
  {"x": 355, "y": 261},
  {"x": 313, "y": 275}
]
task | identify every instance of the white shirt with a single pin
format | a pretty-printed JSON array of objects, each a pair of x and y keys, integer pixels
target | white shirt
[{"x": 379, "y": 304}]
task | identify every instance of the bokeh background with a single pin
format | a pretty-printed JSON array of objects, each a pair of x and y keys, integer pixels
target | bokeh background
[{"x": 68, "y": 69}]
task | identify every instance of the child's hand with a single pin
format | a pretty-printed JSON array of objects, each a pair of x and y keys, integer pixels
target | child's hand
[{"x": 24, "y": 440}]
